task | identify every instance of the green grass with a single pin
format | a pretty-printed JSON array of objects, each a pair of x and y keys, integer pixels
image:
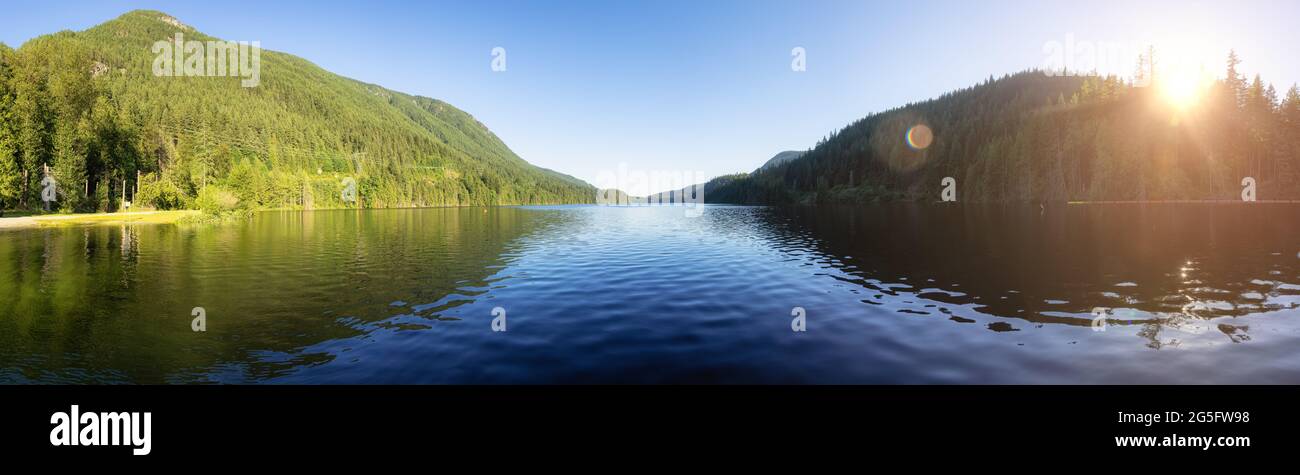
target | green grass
[{"x": 136, "y": 217}]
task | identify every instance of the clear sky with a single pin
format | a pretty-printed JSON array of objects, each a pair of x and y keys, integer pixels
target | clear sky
[{"x": 700, "y": 85}]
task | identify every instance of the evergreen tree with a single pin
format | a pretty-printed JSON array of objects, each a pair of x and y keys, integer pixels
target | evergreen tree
[
  {"x": 10, "y": 171},
  {"x": 1233, "y": 79}
]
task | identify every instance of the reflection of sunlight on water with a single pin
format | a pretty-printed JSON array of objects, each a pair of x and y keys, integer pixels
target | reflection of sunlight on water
[
  {"x": 1184, "y": 309},
  {"x": 1192, "y": 324},
  {"x": 1186, "y": 325}
]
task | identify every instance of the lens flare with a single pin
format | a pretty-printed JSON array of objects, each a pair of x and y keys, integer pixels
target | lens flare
[
  {"x": 919, "y": 137},
  {"x": 1183, "y": 89}
]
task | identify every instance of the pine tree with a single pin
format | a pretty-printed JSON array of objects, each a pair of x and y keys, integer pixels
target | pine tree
[
  {"x": 1290, "y": 108},
  {"x": 1289, "y": 116},
  {"x": 1255, "y": 94},
  {"x": 69, "y": 169},
  {"x": 10, "y": 172},
  {"x": 1235, "y": 82}
]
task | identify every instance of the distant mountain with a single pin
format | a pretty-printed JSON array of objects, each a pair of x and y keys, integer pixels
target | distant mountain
[
  {"x": 91, "y": 105},
  {"x": 724, "y": 180},
  {"x": 686, "y": 194},
  {"x": 779, "y": 159}
]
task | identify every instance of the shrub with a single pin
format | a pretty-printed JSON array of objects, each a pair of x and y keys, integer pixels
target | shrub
[
  {"x": 216, "y": 200},
  {"x": 160, "y": 194}
]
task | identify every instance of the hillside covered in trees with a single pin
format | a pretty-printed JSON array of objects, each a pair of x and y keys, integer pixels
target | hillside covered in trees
[
  {"x": 1034, "y": 137},
  {"x": 90, "y": 107}
]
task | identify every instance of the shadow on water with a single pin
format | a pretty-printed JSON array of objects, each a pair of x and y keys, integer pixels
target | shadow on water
[{"x": 1169, "y": 270}]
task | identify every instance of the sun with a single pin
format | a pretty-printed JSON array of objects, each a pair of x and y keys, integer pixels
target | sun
[
  {"x": 1180, "y": 74},
  {"x": 1183, "y": 89}
]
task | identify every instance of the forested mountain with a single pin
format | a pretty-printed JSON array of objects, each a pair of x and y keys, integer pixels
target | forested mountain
[
  {"x": 1033, "y": 137},
  {"x": 89, "y": 105},
  {"x": 719, "y": 182},
  {"x": 779, "y": 159}
]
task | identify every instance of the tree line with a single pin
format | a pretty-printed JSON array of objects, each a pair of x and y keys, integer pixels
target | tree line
[{"x": 1038, "y": 137}]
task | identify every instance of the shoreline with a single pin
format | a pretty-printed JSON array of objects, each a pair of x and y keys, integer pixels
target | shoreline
[
  {"x": 88, "y": 219},
  {"x": 175, "y": 216}
]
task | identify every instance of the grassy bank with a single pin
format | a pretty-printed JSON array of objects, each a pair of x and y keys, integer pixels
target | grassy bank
[{"x": 138, "y": 217}]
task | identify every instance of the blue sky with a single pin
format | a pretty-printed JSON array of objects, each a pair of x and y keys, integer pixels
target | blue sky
[{"x": 698, "y": 85}]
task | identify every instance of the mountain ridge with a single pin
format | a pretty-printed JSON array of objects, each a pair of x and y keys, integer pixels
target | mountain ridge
[
  {"x": 287, "y": 143},
  {"x": 778, "y": 159},
  {"x": 1038, "y": 137}
]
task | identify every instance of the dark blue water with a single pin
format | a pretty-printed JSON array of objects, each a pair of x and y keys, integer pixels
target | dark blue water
[{"x": 890, "y": 294}]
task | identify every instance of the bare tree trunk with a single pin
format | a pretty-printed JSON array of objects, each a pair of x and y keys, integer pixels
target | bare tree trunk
[{"x": 26, "y": 179}]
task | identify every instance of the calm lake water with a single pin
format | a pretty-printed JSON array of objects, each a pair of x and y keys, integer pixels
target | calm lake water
[{"x": 891, "y": 294}]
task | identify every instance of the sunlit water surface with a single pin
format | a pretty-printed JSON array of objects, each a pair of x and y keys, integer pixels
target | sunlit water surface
[{"x": 891, "y": 294}]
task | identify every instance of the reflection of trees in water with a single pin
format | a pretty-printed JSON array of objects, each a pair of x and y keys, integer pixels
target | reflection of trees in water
[
  {"x": 1168, "y": 269},
  {"x": 112, "y": 304}
]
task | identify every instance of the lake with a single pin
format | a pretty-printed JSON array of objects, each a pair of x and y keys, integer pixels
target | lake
[{"x": 907, "y": 293}]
